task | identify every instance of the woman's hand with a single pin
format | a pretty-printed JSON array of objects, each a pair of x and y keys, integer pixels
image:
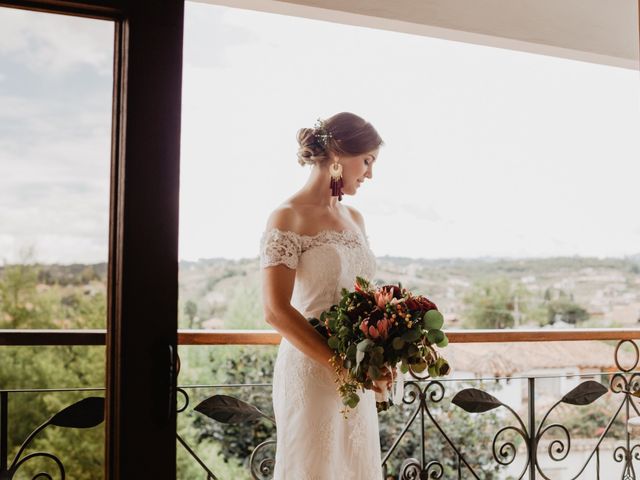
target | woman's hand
[{"x": 385, "y": 381}]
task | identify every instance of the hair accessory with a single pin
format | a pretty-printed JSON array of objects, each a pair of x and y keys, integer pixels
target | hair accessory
[{"x": 322, "y": 133}]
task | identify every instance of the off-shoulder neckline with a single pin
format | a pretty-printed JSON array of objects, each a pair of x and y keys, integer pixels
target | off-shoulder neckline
[{"x": 322, "y": 232}]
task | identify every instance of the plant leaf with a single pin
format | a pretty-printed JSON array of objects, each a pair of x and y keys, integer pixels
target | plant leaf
[
  {"x": 365, "y": 345},
  {"x": 475, "y": 401},
  {"x": 412, "y": 335},
  {"x": 585, "y": 393},
  {"x": 435, "y": 336},
  {"x": 226, "y": 409},
  {"x": 433, "y": 320},
  {"x": 397, "y": 343},
  {"x": 85, "y": 413},
  {"x": 359, "y": 357}
]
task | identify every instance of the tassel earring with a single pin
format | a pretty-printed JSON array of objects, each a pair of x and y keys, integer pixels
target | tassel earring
[{"x": 336, "y": 179}]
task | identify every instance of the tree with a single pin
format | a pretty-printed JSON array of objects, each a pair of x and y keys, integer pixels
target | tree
[
  {"x": 191, "y": 311},
  {"x": 495, "y": 304}
]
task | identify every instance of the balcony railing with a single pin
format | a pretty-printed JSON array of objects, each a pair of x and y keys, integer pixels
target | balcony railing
[{"x": 529, "y": 443}]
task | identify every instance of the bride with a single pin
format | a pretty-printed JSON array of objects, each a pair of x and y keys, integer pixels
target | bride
[{"x": 312, "y": 247}]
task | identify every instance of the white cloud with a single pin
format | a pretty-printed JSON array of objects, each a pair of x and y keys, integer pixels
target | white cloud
[{"x": 55, "y": 44}]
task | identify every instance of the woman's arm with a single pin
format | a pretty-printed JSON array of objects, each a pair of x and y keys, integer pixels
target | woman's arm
[{"x": 277, "y": 288}]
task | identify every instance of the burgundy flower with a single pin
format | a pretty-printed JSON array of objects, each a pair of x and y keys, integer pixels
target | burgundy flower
[{"x": 420, "y": 303}]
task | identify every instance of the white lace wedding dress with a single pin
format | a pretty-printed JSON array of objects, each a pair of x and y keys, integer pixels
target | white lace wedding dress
[{"x": 314, "y": 441}]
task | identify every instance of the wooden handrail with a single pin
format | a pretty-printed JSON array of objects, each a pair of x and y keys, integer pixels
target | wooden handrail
[{"x": 271, "y": 337}]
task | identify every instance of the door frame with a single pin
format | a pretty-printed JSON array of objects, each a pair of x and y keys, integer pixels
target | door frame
[{"x": 142, "y": 310}]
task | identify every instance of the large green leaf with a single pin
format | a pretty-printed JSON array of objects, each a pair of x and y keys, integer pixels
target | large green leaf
[
  {"x": 412, "y": 335},
  {"x": 433, "y": 320},
  {"x": 435, "y": 336},
  {"x": 365, "y": 345}
]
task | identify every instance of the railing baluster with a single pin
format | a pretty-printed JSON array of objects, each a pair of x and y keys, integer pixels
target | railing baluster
[
  {"x": 598, "y": 463},
  {"x": 4, "y": 436},
  {"x": 533, "y": 447}
]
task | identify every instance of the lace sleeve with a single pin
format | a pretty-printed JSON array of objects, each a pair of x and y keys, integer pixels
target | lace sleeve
[{"x": 280, "y": 246}]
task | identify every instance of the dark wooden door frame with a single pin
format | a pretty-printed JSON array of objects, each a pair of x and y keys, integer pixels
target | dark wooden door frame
[{"x": 143, "y": 237}]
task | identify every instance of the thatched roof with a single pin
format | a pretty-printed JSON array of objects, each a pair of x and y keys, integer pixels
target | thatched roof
[{"x": 508, "y": 359}]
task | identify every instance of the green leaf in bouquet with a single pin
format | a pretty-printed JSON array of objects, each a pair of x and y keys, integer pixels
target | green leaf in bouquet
[
  {"x": 444, "y": 342},
  {"x": 351, "y": 400},
  {"x": 359, "y": 356},
  {"x": 433, "y": 320},
  {"x": 351, "y": 351},
  {"x": 334, "y": 342},
  {"x": 433, "y": 371},
  {"x": 333, "y": 323},
  {"x": 344, "y": 292},
  {"x": 374, "y": 372},
  {"x": 435, "y": 336},
  {"x": 404, "y": 368},
  {"x": 397, "y": 343},
  {"x": 344, "y": 331},
  {"x": 412, "y": 351},
  {"x": 362, "y": 283},
  {"x": 419, "y": 367},
  {"x": 377, "y": 358},
  {"x": 412, "y": 335},
  {"x": 323, "y": 316},
  {"x": 365, "y": 345},
  {"x": 442, "y": 367}
]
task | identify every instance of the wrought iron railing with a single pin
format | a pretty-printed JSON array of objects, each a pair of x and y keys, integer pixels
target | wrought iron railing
[{"x": 523, "y": 443}]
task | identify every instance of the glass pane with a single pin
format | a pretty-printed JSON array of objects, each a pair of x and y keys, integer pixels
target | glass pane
[
  {"x": 55, "y": 143},
  {"x": 505, "y": 192}
]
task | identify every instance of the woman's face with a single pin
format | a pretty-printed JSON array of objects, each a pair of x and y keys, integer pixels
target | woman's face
[{"x": 355, "y": 170}]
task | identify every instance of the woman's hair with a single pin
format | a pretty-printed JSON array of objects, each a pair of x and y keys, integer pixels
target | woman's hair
[{"x": 350, "y": 135}]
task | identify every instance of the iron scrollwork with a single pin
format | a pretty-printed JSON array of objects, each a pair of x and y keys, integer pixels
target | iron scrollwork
[{"x": 86, "y": 413}]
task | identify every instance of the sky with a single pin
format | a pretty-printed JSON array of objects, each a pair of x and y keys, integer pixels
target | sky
[{"x": 489, "y": 152}]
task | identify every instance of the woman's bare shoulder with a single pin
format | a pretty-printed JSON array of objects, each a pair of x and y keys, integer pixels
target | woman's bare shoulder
[
  {"x": 356, "y": 216},
  {"x": 290, "y": 216}
]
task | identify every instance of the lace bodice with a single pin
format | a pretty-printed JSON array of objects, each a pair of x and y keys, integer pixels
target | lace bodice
[{"x": 324, "y": 263}]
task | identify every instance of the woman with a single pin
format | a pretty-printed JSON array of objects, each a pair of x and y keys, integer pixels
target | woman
[{"x": 312, "y": 247}]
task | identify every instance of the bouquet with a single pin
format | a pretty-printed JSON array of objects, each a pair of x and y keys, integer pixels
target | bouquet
[{"x": 373, "y": 330}]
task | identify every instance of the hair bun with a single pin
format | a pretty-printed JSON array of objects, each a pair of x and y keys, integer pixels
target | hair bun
[{"x": 310, "y": 151}]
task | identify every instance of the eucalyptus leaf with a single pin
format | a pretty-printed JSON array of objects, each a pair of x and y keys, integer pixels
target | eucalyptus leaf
[
  {"x": 419, "y": 367},
  {"x": 359, "y": 356},
  {"x": 365, "y": 345},
  {"x": 412, "y": 335},
  {"x": 444, "y": 342},
  {"x": 475, "y": 401},
  {"x": 351, "y": 351},
  {"x": 397, "y": 343},
  {"x": 433, "y": 320},
  {"x": 435, "y": 336},
  {"x": 334, "y": 342}
]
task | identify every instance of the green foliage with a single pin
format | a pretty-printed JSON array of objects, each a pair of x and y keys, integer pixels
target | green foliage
[
  {"x": 26, "y": 303},
  {"x": 245, "y": 309},
  {"x": 492, "y": 303},
  {"x": 236, "y": 442},
  {"x": 565, "y": 310}
]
